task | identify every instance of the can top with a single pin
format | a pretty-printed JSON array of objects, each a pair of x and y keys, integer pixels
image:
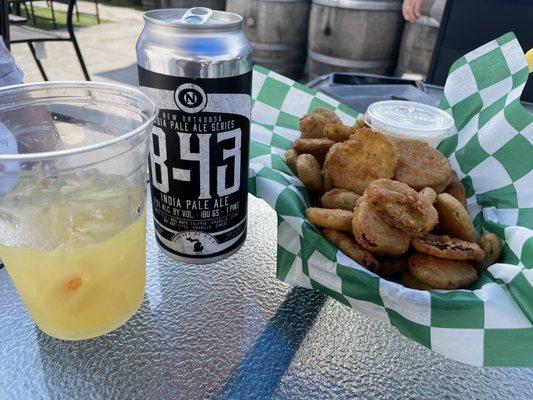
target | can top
[{"x": 193, "y": 18}]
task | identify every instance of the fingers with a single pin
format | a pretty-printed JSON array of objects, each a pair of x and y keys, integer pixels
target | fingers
[
  {"x": 418, "y": 8},
  {"x": 412, "y": 9},
  {"x": 407, "y": 10}
]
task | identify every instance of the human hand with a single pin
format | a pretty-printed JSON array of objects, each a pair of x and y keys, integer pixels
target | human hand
[{"x": 412, "y": 9}]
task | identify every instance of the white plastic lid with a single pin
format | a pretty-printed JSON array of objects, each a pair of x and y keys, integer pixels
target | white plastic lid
[{"x": 409, "y": 120}]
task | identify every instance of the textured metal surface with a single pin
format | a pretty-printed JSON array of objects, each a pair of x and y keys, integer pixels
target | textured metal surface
[{"x": 230, "y": 330}]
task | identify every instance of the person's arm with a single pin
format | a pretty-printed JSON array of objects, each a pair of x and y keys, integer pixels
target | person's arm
[
  {"x": 10, "y": 73},
  {"x": 412, "y": 9},
  {"x": 36, "y": 121}
]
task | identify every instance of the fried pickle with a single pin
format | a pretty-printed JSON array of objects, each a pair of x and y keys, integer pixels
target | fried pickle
[
  {"x": 316, "y": 147},
  {"x": 491, "y": 244},
  {"x": 429, "y": 195},
  {"x": 290, "y": 158},
  {"x": 348, "y": 246},
  {"x": 422, "y": 166},
  {"x": 360, "y": 123},
  {"x": 442, "y": 273},
  {"x": 309, "y": 172},
  {"x": 331, "y": 117},
  {"x": 456, "y": 189},
  {"x": 375, "y": 234},
  {"x": 408, "y": 280},
  {"x": 446, "y": 247},
  {"x": 312, "y": 126},
  {"x": 338, "y": 132},
  {"x": 340, "y": 220},
  {"x": 401, "y": 206},
  {"x": 339, "y": 198},
  {"x": 454, "y": 219},
  {"x": 367, "y": 156},
  {"x": 389, "y": 266},
  {"x": 327, "y": 183}
]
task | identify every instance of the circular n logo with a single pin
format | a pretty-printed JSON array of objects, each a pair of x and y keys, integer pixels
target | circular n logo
[{"x": 190, "y": 98}]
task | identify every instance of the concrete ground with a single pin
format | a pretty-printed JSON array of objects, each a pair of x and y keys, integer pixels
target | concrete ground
[{"x": 108, "y": 49}]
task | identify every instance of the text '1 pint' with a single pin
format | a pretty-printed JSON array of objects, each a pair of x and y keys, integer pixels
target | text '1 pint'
[{"x": 196, "y": 65}]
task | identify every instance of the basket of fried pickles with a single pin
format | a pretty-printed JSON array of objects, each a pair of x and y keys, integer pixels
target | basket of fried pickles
[
  {"x": 395, "y": 207},
  {"x": 437, "y": 242}
]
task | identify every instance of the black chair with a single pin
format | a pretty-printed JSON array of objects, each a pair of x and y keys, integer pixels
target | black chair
[
  {"x": 468, "y": 24},
  {"x": 96, "y": 15},
  {"x": 4, "y": 21},
  {"x": 30, "y": 35},
  {"x": 15, "y": 7}
]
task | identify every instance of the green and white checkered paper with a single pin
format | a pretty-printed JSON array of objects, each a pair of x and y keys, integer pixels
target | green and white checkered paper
[{"x": 489, "y": 325}]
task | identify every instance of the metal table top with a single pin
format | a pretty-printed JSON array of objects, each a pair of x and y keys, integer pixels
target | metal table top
[{"x": 230, "y": 330}]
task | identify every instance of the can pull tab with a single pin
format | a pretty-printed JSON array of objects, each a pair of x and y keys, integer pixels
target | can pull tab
[{"x": 197, "y": 15}]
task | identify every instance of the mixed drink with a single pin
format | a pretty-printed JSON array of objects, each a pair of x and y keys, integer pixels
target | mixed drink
[{"x": 75, "y": 248}]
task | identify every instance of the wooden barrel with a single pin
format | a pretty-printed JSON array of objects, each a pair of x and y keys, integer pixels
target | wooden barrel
[
  {"x": 354, "y": 35},
  {"x": 277, "y": 30},
  {"x": 418, "y": 44},
  {"x": 212, "y": 4}
]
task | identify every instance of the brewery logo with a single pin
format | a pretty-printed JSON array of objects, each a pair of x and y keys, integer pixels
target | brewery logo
[
  {"x": 194, "y": 242},
  {"x": 190, "y": 98}
]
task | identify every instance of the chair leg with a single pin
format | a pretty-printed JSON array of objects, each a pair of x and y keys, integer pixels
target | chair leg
[
  {"x": 97, "y": 11},
  {"x": 53, "y": 14},
  {"x": 32, "y": 13},
  {"x": 37, "y": 61},
  {"x": 77, "y": 12},
  {"x": 80, "y": 58}
]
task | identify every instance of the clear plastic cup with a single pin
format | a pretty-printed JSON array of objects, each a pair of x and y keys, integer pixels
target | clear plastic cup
[
  {"x": 72, "y": 202},
  {"x": 410, "y": 120}
]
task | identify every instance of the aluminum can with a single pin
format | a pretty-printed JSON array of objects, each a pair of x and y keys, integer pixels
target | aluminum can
[{"x": 196, "y": 64}]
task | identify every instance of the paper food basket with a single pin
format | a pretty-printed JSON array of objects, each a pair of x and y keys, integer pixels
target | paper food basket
[{"x": 492, "y": 152}]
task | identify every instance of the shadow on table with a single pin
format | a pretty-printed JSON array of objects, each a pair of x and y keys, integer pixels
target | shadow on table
[
  {"x": 97, "y": 366},
  {"x": 127, "y": 75},
  {"x": 265, "y": 363}
]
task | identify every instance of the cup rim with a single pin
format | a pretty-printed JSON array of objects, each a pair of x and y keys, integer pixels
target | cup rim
[{"x": 137, "y": 94}]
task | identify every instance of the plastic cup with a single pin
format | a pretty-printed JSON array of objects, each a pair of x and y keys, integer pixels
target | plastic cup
[
  {"x": 72, "y": 202},
  {"x": 402, "y": 120}
]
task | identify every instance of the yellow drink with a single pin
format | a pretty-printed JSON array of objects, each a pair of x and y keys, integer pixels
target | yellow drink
[{"x": 86, "y": 275}]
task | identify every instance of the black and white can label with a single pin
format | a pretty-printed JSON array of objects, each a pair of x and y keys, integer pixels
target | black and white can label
[{"x": 199, "y": 162}]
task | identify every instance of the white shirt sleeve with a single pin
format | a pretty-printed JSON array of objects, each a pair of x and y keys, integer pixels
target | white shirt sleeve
[{"x": 10, "y": 73}]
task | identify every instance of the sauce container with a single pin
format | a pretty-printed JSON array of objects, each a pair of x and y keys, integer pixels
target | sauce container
[{"x": 409, "y": 120}]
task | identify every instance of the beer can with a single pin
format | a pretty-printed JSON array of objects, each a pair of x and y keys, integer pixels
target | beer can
[{"x": 196, "y": 65}]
